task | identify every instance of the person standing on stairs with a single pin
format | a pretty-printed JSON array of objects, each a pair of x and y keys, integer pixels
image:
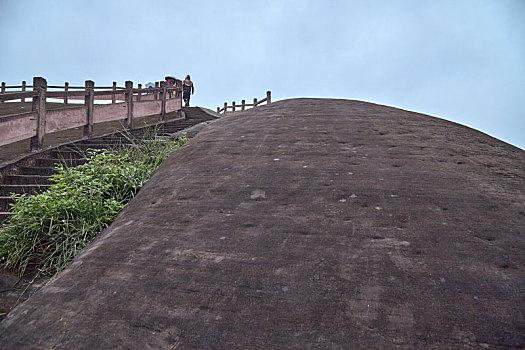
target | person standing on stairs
[{"x": 187, "y": 89}]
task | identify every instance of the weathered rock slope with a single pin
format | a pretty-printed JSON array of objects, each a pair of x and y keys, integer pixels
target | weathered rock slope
[{"x": 307, "y": 223}]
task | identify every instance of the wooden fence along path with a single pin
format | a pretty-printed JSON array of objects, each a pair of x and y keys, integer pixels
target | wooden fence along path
[
  {"x": 127, "y": 104},
  {"x": 243, "y": 105}
]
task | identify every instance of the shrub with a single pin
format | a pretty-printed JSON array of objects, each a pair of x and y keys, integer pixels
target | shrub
[{"x": 47, "y": 230}]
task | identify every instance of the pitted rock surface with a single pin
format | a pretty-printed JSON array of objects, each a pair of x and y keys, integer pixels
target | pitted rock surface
[{"x": 304, "y": 224}]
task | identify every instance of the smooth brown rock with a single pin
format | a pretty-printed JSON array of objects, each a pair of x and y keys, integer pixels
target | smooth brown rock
[{"x": 304, "y": 224}]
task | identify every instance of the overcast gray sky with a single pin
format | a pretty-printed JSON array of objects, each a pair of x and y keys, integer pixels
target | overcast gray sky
[{"x": 462, "y": 60}]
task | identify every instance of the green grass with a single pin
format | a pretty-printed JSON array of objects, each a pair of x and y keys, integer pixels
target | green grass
[{"x": 49, "y": 229}]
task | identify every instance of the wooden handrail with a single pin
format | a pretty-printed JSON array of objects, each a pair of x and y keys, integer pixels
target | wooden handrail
[
  {"x": 61, "y": 94},
  {"x": 127, "y": 104},
  {"x": 9, "y": 96},
  {"x": 66, "y": 92},
  {"x": 82, "y": 87},
  {"x": 243, "y": 105},
  {"x": 152, "y": 90},
  {"x": 16, "y": 86}
]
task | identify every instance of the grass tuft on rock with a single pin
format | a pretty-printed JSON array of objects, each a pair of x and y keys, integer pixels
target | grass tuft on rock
[{"x": 48, "y": 230}]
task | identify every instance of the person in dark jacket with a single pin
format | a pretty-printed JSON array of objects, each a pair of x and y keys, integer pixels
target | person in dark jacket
[{"x": 187, "y": 90}]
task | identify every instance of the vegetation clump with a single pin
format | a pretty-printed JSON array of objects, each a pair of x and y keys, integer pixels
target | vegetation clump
[{"x": 47, "y": 230}]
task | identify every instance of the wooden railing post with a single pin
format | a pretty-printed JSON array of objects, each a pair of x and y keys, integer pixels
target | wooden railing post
[
  {"x": 113, "y": 98},
  {"x": 2, "y": 90},
  {"x": 66, "y": 89},
  {"x": 156, "y": 91},
  {"x": 179, "y": 89},
  {"x": 163, "y": 100},
  {"x": 139, "y": 96},
  {"x": 39, "y": 106},
  {"x": 129, "y": 100},
  {"x": 243, "y": 106},
  {"x": 89, "y": 101},
  {"x": 24, "y": 85}
]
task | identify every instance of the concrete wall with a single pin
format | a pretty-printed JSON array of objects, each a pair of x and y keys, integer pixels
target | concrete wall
[
  {"x": 106, "y": 113},
  {"x": 142, "y": 109},
  {"x": 63, "y": 119},
  {"x": 173, "y": 105},
  {"x": 42, "y": 122},
  {"x": 17, "y": 128}
]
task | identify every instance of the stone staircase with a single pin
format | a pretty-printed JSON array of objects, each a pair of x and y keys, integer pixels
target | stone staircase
[{"x": 32, "y": 174}]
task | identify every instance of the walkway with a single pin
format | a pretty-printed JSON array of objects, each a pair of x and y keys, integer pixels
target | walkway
[
  {"x": 304, "y": 224},
  {"x": 30, "y": 173}
]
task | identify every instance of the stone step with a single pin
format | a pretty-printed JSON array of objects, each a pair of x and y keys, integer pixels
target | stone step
[
  {"x": 51, "y": 162},
  {"x": 6, "y": 190},
  {"x": 197, "y": 114},
  {"x": 179, "y": 125},
  {"x": 5, "y": 215},
  {"x": 4, "y": 203},
  {"x": 35, "y": 179},
  {"x": 82, "y": 147},
  {"x": 26, "y": 180},
  {"x": 170, "y": 131},
  {"x": 37, "y": 170},
  {"x": 66, "y": 154},
  {"x": 103, "y": 141}
]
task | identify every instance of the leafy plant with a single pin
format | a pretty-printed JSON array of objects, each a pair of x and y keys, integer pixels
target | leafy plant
[{"x": 47, "y": 230}]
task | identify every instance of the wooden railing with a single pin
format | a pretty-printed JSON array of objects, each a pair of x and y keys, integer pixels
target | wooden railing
[
  {"x": 127, "y": 104},
  {"x": 235, "y": 107}
]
